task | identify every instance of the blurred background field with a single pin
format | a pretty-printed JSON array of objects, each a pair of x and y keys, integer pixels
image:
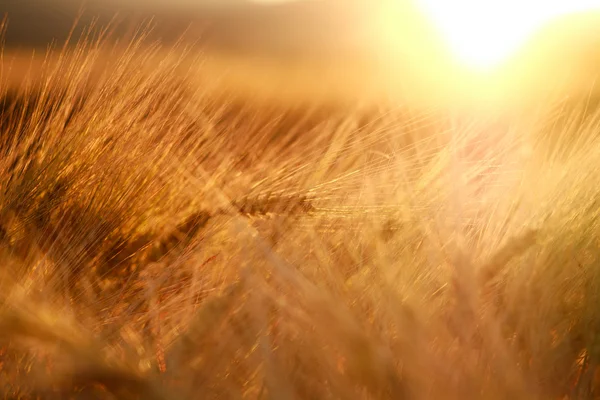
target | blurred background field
[{"x": 348, "y": 48}]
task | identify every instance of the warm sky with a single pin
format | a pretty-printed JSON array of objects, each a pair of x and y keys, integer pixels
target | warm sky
[
  {"x": 428, "y": 38},
  {"x": 484, "y": 32},
  {"x": 479, "y": 33}
]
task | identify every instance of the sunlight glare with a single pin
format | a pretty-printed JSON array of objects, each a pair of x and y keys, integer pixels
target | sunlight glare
[{"x": 484, "y": 33}]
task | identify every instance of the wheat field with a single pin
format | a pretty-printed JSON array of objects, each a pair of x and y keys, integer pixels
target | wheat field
[{"x": 164, "y": 239}]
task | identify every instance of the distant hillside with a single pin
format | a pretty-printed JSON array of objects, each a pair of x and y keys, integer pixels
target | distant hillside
[{"x": 297, "y": 28}]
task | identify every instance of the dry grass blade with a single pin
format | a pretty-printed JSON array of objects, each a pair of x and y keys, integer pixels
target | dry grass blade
[
  {"x": 84, "y": 355},
  {"x": 211, "y": 314},
  {"x": 512, "y": 249}
]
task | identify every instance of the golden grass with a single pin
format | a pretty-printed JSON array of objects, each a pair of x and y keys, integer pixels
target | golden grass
[{"x": 164, "y": 241}]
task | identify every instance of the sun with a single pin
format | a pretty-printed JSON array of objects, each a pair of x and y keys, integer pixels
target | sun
[{"x": 482, "y": 34}]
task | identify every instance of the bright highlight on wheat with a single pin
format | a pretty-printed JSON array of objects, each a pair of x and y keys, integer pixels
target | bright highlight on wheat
[{"x": 484, "y": 33}]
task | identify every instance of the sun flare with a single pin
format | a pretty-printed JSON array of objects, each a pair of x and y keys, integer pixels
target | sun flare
[{"x": 484, "y": 33}]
